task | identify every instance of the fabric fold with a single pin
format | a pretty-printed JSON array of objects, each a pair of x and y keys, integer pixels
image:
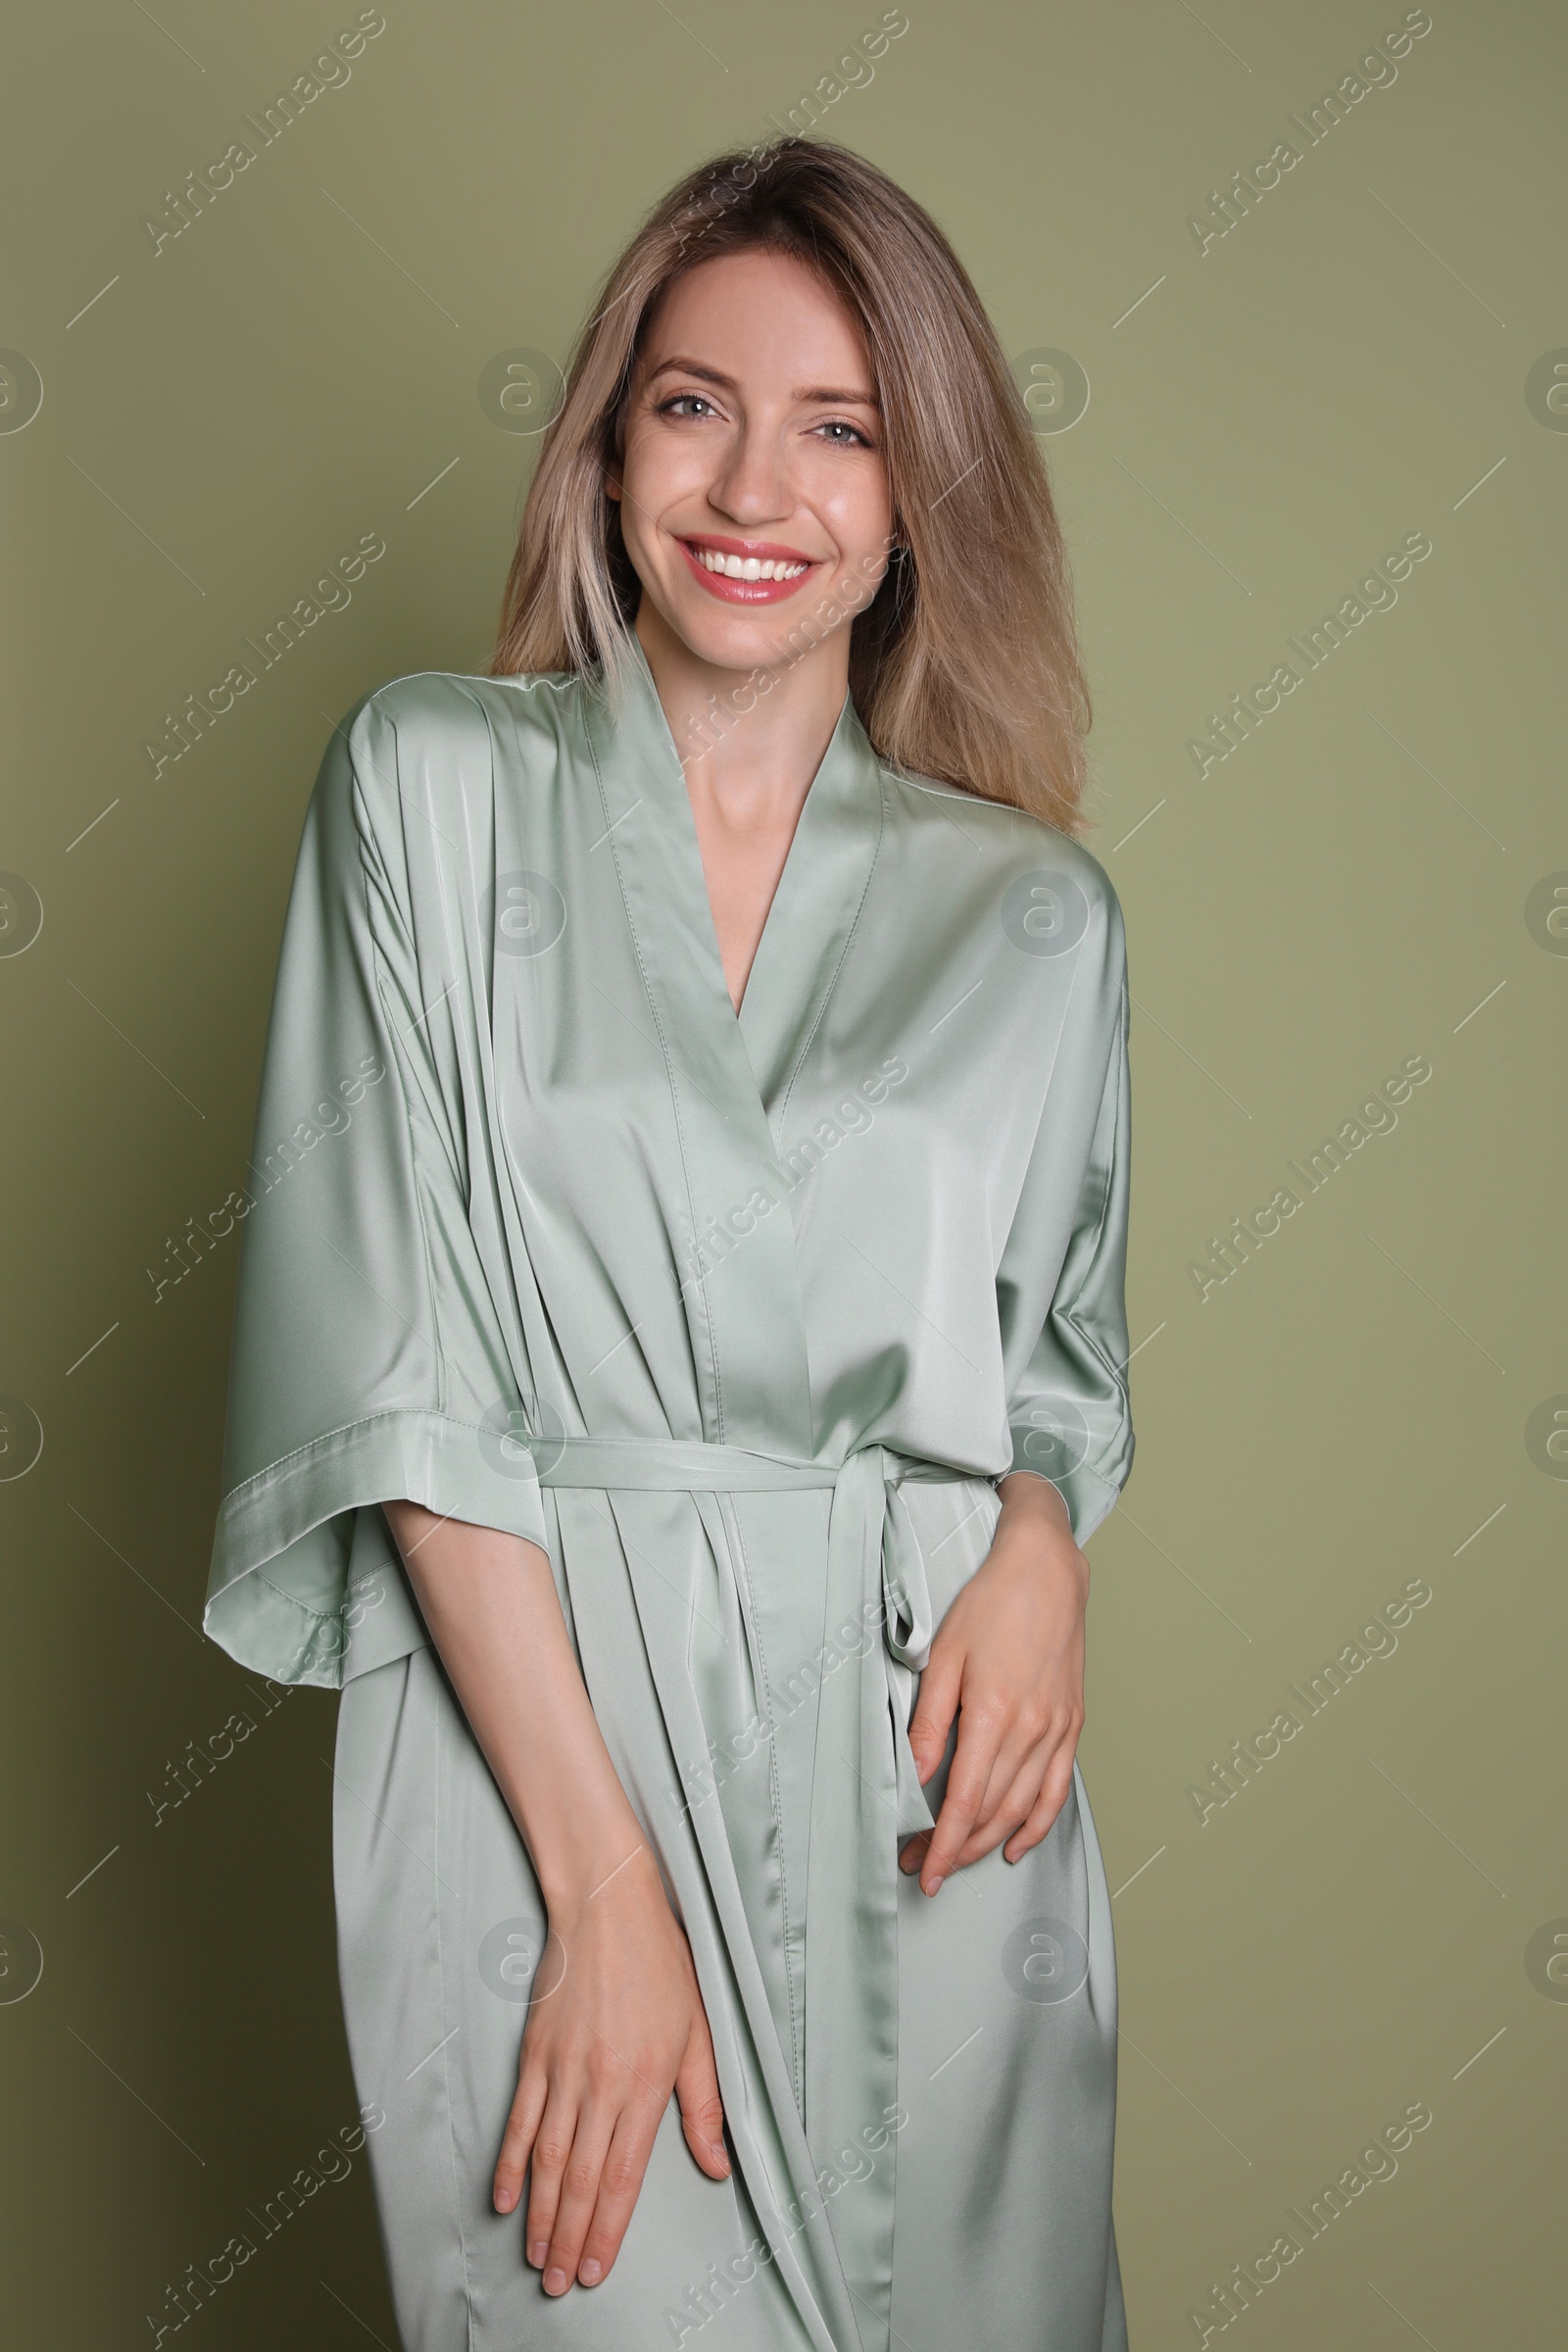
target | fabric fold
[
  {"x": 306, "y": 1584},
  {"x": 865, "y": 1793}
]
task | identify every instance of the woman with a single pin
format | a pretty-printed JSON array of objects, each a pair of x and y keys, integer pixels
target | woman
[{"x": 695, "y": 1142}]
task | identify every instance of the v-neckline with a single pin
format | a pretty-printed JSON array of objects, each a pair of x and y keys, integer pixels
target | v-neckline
[{"x": 809, "y": 916}]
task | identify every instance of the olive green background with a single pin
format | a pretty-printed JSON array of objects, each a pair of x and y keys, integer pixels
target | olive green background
[{"x": 1353, "y": 1932}]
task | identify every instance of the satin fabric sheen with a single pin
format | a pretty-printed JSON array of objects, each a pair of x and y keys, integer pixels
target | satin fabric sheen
[{"x": 737, "y": 1317}]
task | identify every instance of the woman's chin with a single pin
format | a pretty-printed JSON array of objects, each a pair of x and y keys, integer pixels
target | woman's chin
[{"x": 737, "y": 637}]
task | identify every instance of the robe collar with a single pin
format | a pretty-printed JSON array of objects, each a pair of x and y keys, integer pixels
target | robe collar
[{"x": 819, "y": 893}]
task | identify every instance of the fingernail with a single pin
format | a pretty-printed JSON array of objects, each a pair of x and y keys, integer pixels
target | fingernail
[
  {"x": 537, "y": 2253},
  {"x": 934, "y": 1884},
  {"x": 555, "y": 2280},
  {"x": 589, "y": 2272},
  {"x": 721, "y": 2156},
  {"x": 503, "y": 2201}
]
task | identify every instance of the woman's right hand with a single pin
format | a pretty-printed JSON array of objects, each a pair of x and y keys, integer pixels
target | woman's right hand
[{"x": 619, "y": 2025}]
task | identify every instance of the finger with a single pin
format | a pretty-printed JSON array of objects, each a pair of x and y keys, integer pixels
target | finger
[
  {"x": 620, "y": 2186},
  {"x": 1001, "y": 1820},
  {"x": 935, "y": 1706},
  {"x": 580, "y": 2182},
  {"x": 521, "y": 2124},
  {"x": 1047, "y": 1805},
  {"x": 702, "y": 2110},
  {"x": 1033, "y": 1738},
  {"x": 1032, "y": 1798},
  {"x": 979, "y": 1739},
  {"x": 552, "y": 2146},
  {"x": 1013, "y": 1789},
  {"x": 1025, "y": 1740}
]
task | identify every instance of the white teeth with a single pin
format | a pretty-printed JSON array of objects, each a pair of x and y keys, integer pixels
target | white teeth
[{"x": 747, "y": 567}]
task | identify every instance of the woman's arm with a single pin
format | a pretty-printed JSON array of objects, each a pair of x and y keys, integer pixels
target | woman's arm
[
  {"x": 1009, "y": 1657},
  {"x": 624, "y": 2023}
]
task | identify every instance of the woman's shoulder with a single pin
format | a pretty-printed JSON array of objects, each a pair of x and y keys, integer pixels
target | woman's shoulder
[
  {"x": 409, "y": 778},
  {"x": 453, "y": 701},
  {"x": 438, "y": 728},
  {"x": 1021, "y": 854}
]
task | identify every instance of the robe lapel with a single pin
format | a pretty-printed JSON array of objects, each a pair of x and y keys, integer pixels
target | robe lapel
[
  {"x": 739, "y": 1281},
  {"x": 813, "y": 913}
]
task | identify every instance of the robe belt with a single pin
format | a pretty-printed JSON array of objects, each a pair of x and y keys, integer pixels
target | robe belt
[
  {"x": 865, "y": 1800},
  {"x": 871, "y": 1542}
]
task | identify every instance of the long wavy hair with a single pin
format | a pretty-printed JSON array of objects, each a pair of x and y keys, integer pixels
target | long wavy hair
[{"x": 964, "y": 663}]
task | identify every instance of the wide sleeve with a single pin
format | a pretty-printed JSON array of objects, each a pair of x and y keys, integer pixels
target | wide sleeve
[
  {"x": 1065, "y": 1345},
  {"x": 368, "y": 1349}
]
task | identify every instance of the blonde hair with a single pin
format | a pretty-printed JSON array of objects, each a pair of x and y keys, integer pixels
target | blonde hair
[{"x": 965, "y": 667}]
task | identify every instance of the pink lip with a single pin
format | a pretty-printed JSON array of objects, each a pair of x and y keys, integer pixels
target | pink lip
[{"x": 748, "y": 592}]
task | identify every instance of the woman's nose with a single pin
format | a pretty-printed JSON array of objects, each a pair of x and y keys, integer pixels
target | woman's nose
[{"x": 753, "y": 484}]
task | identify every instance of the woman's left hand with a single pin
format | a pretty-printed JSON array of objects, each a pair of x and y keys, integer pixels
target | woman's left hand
[{"x": 1009, "y": 1657}]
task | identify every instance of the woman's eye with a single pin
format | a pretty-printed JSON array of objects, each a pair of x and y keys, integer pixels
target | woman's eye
[{"x": 837, "y": 430}]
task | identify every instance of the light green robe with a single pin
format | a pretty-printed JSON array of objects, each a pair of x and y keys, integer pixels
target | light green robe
[{"x": 738, "y": 1318}]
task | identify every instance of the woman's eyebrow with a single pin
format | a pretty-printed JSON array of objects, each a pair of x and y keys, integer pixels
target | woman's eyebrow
[
  {"x": 836, "y": 393},
  {"x": 803, "y": 392}
]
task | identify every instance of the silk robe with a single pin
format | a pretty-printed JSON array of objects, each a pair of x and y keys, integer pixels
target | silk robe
[{"x": 739, "y": 1318}]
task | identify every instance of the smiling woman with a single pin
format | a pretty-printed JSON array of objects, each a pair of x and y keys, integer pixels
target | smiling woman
[
  {"x": 967, "y": 671},
  {"x": 601, "y": 1414}
]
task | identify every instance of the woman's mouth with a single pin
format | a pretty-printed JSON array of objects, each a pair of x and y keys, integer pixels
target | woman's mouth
[{"x": 747, "y": 571}]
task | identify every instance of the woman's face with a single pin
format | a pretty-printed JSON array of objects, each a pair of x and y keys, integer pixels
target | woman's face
[{"x": 753, "y": 446}]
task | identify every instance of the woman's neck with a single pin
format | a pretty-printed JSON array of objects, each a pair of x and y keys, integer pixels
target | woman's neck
[
  {"x": 755, "y": 749},
  {"x": 751, "y": 740}
]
